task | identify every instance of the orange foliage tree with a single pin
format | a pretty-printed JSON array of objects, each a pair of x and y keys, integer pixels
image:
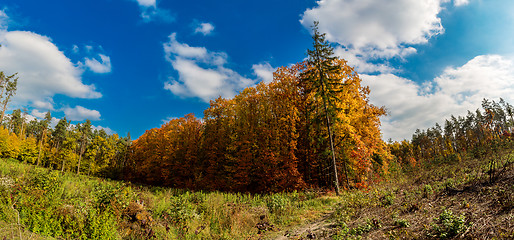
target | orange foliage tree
[
  {"x": 268, "y": 138},
  {"x": 168, "y": 155}
]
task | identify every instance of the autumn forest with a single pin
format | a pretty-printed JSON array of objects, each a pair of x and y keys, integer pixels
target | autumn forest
[{"x": 312, "y": 127}]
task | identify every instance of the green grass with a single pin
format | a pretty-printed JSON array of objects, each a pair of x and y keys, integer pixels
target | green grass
[{"x": 37, "y": 203}]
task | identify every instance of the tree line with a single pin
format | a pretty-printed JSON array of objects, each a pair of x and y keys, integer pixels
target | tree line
[
  {"x": 477, "y": 134},
  {"x": 67, "y": 147}
]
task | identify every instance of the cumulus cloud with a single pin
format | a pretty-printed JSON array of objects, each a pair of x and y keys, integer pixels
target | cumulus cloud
[
  {"x": 43, "y": 70},
  {"x": 80, "y": 113},
  {"x": 102, "y": 66},
  {"x": 204, "y": 28},
  {"x": 264, "y": 72},
  {"x": 490, "y": 76},
  {"x": 202, "y": 73},
  {"x": 367, "y": 30},
  {"x": 377, "y": 26},
  {"x": 457, "y": 90}
]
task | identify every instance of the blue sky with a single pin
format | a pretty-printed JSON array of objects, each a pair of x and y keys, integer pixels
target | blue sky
[{"x": 130, "y": 65}]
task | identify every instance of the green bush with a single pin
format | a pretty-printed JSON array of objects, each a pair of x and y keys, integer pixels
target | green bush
[{"x": 448, "y": 225}]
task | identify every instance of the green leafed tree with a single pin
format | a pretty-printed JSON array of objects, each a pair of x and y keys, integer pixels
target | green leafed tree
[
  {"x": 43, "y": 130},
  {"x": 59, "y": 136},
  {"x": 85, "y": 132}
]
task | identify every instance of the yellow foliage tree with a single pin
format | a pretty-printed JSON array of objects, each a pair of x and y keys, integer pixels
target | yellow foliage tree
[
  {"x": 9, "y": 144},
  {"x": 28, "y": 150}
]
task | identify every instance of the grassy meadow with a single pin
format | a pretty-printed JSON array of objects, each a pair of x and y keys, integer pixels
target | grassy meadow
[{"x": 38, "y": 203}]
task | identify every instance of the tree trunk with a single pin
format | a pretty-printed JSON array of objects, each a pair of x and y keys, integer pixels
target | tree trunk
[
  {"x": 62, "y": 169},
  {"x": 4, "y": 108},
  {"x": 327, "y": 118},
  {"x": 80, "y": 156},
  {"x": 40, "y": 145}
]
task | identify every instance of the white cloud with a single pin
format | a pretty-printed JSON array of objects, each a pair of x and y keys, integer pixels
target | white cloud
[
  {"x": 360, "y": 63},
  {"x": 490, "y": 76},
  {"x": 204, "y": 28},
  {"x": 201, "y": 72},
  {"x": 147, "y": 3},
  {"x": 80, "y": 113},
  {"x": 369, "y": 30},
  {"x": 151, "y": 12},
  {"x": 264, "y": 72},
  {"x": 38, "y": 114},
  {"x": 102, "y": 66},
  {"x": 157, "y": 14},
  {"x": 43, "y": 69},
  {"x": 75, "y": 49},
  {"x": 460, "y": 2},
  {"x": 106, "y": 129},
  {"x": 186, "y": 51},
  {"x": 54, "y": 122},
  {"x": 379, "y": 26},
  {"x": 457, "y": 90},
  {"x": 29, "y": 118},
  {"x": 43, "y": 105},
  {"x": 89, "y": 48},
  {"x": 168, "y": 119}
]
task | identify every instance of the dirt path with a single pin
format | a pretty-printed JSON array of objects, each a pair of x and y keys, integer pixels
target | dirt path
[{"x": 319, "y": 229}]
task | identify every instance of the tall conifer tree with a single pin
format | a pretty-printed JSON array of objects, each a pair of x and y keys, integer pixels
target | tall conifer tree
[{"x": 321, "y": 59}]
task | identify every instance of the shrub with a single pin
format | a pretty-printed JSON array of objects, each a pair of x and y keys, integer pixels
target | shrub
[{"x": 448, "y": 225}]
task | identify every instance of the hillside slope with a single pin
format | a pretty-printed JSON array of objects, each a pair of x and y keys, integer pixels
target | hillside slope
[{"x": 441, "y": 200}]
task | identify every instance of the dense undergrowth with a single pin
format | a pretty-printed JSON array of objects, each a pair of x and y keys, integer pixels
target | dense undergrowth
[{"x": 37, "y": 203}]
